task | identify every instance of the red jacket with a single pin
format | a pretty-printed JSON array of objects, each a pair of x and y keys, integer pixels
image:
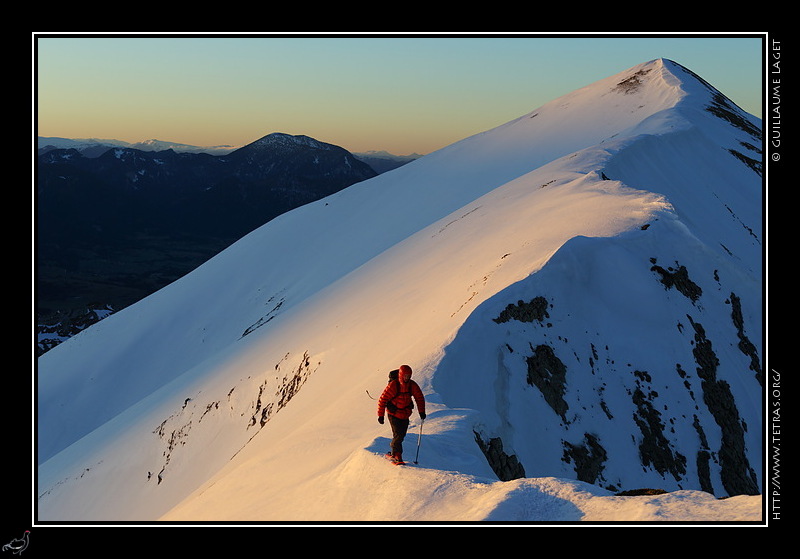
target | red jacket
[{"x": 396, "y": 399}]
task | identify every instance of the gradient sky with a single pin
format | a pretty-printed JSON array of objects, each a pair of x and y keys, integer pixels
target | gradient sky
[{"x": 401, "y": 94}]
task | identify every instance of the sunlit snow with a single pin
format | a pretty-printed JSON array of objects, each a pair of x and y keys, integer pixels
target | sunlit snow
[{"x": 245, "y": 390}]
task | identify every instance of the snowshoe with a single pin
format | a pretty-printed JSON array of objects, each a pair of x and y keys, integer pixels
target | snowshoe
[{"x": 396, "y": 460}]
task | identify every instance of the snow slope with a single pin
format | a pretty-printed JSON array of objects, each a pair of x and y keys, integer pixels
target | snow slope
[{"x": 244, "y": 391}]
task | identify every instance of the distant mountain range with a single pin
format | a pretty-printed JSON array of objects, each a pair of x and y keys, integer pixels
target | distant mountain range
[
  {"x": 93, "y": 147},
  {"x": 381, "y": 161},
  {"x": 117, "y": 221}
]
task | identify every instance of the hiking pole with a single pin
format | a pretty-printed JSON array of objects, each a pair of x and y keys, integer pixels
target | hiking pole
[{"x": 419, "y": 438}]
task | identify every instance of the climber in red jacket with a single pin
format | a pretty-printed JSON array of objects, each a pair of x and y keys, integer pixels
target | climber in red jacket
[{"x": 396, "y": 402}]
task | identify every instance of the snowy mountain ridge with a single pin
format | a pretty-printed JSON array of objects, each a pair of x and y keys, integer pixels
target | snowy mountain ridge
[
  {"x": 578, "y": 292},
  {"x": 98, "y": 145}
]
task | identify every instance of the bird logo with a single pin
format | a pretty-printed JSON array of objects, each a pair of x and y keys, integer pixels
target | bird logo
[{"x": 18, "y": 545}]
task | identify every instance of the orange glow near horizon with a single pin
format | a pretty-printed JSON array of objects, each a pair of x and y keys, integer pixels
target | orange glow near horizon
[{"x": 401, "y": 95}]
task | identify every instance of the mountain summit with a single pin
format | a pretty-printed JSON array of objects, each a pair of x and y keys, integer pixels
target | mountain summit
[
  {"x": 578, "y": 292},
  {"x": 113, "y": 228}
]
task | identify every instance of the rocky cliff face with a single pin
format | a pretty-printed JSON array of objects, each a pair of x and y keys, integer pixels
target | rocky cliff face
[
  {"x": 621, "y": 416},
  {"x": 657, "y": 396}
]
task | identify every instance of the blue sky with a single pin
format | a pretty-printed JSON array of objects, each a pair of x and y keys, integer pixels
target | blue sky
[{"x": 402, "y": 94}]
